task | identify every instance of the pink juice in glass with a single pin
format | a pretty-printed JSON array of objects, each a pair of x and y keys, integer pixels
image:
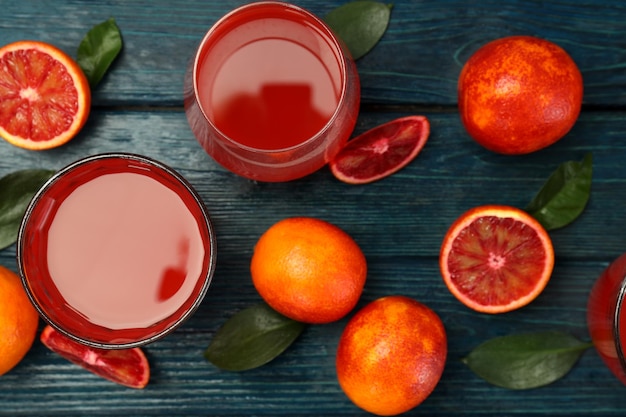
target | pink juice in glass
[
  {"x": 116, "y": 250},
  {"x": 271, "y": 94},
  {"x": 288, "y": 97},
  {"x": 606, "y": 316}
]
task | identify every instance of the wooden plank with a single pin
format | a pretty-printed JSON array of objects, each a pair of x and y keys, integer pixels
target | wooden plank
[
  {"x": 405, "y": 215},
  {"x": 302, "y": 380},
  {"x": 417, "y": 62}
]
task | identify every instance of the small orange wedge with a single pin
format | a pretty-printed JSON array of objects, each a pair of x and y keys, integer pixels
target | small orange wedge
[
  {"x": 128, "y": 367},
  {"x": 381, "y": 151}
]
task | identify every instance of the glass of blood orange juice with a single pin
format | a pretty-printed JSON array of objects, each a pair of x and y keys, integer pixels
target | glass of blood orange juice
[
  {"x": 606, "y": 317},
  {"x": 271, "y": 93},
  {"x": 116, "y": 250}
]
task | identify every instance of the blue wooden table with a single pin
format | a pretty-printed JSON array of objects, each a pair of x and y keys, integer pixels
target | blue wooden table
[{"x": 399, "y": 222}]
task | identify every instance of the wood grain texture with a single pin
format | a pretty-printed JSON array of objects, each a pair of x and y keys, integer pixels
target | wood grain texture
[
  {"x": 417, "y": 62},
  {"x": 399, "y": 222}
]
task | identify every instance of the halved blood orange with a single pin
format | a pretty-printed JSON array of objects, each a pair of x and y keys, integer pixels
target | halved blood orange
[
  {"x": 381, "y": 151},
  {"x": 45, "y": 97},
  {"x": 495, "y": 259},
  {"x": 128, "y": 367}
]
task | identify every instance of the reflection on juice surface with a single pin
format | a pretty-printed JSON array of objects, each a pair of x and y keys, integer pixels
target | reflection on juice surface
[
  {"x": 606, "y": 316},
  {"x": 288, "y": 97},
  {"x": 111, "y": 244},
  {"x": 115, "y": 251}
]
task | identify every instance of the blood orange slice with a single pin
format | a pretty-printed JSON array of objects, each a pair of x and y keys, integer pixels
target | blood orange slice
[
  {"x": 128, "y": 367},
  {"x": 381, "y": 151},
  {"x": 496, "y": 259},
  {"x": 45, "y": 97}
]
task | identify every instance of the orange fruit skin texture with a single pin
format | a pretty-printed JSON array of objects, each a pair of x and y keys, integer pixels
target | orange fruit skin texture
[
  {"x": 391, "y": 355},
  {"x": 308, "y": 270},
  {"x": 18, "y": 321},
  {"x": 45, "y": 97},
  {"x": 495, "y": 258},
  {"x": 519, "y": 94}
]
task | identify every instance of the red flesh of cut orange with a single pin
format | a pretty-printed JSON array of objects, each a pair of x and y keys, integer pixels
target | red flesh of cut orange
[
  {"x": 381, "y": 151},
  {"x": 128, "y": 367},
  {"x": 495, "y": 259},
  {"x": 45, "y": 97}
]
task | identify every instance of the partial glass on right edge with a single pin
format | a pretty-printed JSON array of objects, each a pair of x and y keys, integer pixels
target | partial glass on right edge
[{"x": 606, "y": 316}]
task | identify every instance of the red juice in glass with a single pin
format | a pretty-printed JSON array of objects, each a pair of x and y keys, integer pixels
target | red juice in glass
[
  {"x": 606, "y": 316},
  {"x": 116, "y": 250},
  {"x": 271, "y": 95}
]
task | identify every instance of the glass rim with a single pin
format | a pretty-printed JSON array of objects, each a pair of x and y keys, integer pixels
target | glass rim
[
  {"x": 620, "y": 304},
  {"x": 210, "y": 245},
  {"x": 336, "y": 46}
]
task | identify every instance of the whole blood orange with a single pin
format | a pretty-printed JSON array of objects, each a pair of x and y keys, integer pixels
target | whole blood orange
[
  {"x": 18, "y": 321},
  {"x": 391, "y": 355},
  {"x": 381, "y": 151},
  {"x": 519, "y": 94},
  {"x": 128, "y": 367},
  {"x": 45, "y": 97},
  {"x": 308, "y": 270},
  {"x": 495, "y": 259}
]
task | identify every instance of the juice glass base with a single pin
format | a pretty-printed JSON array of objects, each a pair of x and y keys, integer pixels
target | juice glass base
[
  {"x": 116, "y": 250},
  {"x": 271, "y": 94},
  {"x": 606, "y": 317}
]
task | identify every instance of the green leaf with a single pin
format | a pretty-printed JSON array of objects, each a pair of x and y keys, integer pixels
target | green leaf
[
  {"x": 360, "y": 24},
  {"x": 252, "y": 338},
  {"x": 16, "y": 191},
  {"x": 564, "y": 195},
  {"x": 98, "y": 50},
  {"x": 526, "y": 361}
]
